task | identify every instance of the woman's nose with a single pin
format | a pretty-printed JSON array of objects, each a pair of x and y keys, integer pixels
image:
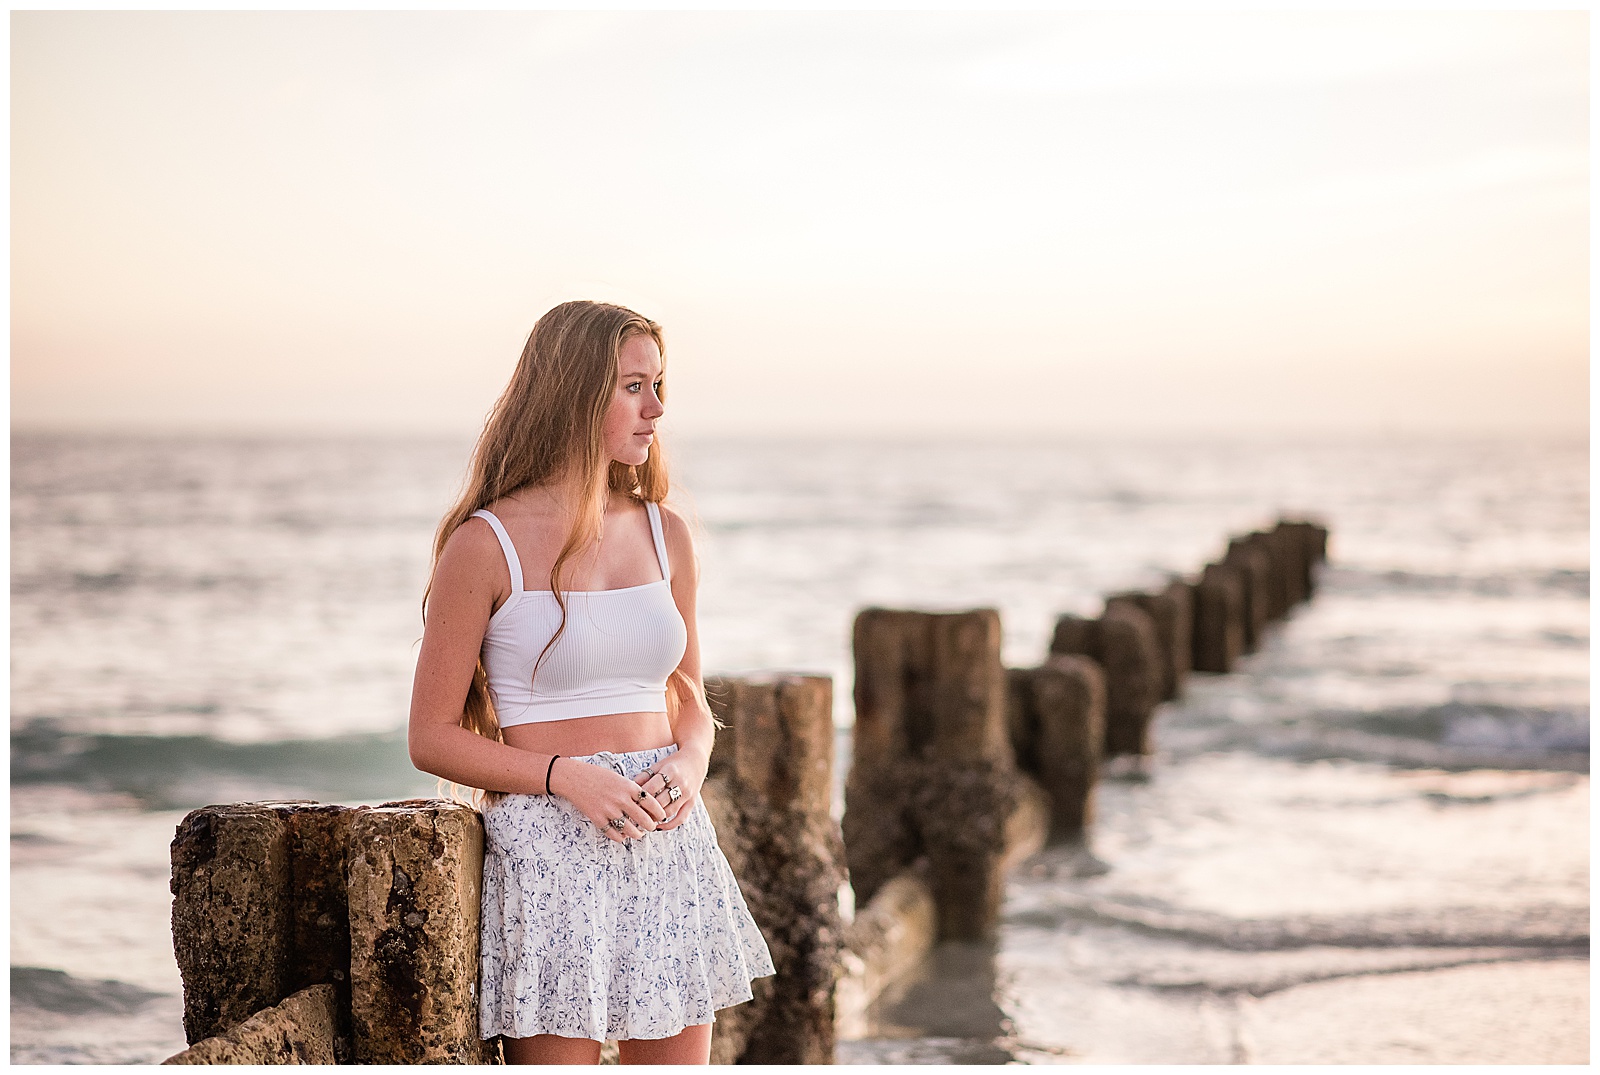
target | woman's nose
[{"x": 653, "y": 407}]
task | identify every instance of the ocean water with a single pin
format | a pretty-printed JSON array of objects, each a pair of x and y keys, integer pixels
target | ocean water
[{"x": 207, "y": 620}]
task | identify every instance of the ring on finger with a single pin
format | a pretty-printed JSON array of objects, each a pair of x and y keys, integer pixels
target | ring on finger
[
  {"x": 618, "y": 822},
  {"x": 674, "y": 793}
]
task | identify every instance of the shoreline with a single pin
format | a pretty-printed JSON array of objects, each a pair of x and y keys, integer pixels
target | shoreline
[
  {"x": 1177, "y": 954},
  {"x": 1177, "y": 931},
  {"x": 1444, "y": 631}
]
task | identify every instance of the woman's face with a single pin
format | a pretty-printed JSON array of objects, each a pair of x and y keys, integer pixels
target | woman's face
[{"x": 630, "y": 422}]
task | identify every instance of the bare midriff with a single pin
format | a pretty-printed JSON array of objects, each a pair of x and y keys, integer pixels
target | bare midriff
[{"x": 620, "y": 733}]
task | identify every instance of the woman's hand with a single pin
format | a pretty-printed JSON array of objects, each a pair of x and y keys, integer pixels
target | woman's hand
[
  {"x": 603, "y": 795},
  {"x": 683, "y": 771}
]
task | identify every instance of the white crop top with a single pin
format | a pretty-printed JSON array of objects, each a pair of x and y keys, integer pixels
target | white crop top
[{"x": 614, "y": 657}]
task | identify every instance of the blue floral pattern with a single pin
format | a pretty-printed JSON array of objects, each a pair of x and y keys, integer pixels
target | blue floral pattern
[{"x": 586, "y": 937}]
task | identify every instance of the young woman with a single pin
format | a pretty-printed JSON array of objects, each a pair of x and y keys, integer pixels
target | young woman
[{"x": 608, "y": 910}]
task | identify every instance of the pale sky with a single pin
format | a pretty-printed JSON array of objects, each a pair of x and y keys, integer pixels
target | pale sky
[{"x": 899, "y": 223}]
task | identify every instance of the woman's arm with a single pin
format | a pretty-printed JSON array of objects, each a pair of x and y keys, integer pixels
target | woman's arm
[
  {"x": 463, "y": 595},
  {"x": 469, "y": 579},
  {"x": 692, "y": 726}
]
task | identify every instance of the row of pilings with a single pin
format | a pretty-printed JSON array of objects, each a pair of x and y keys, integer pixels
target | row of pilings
[
  {"x": 313, "y": 933},
  {"x": 952, "y": 749}
]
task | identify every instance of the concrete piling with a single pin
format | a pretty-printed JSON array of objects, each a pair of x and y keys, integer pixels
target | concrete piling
[
  {"x": 892, "y": 676},
  {"x": 415, "y": 873},
  {"x": 1172, "y": 611},
  {"x": 1282, "y": 556},
  {"x": 232, "y": 919},
  {"x": 1261, "y": 587},
  {"x": 1289, "y": 543},
  {"x": 318, "y": 835},
  {"x": 1056, "y": 717},
  {"x": 1125, "y": 642},
  {"x": 931, "y": 731},
  {"x": 1131, "y": 656},
  {"x": 1218, "y": 619},
  {"x": 966, "y": 760},
  {"x": 1308, "y": 545},
  {"x": 770, "y": 795}
]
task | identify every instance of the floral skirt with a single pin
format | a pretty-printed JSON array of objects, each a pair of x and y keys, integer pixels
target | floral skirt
[{"x": 586, "y": 937}]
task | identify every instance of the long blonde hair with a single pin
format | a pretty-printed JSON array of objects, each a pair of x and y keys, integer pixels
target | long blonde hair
[{"x": 547, "y": 425}]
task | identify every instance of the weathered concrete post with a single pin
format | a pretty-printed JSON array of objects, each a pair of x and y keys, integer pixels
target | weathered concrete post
[
  {"x": 1172, "y": 611},
  {"x": 1056, "y": 717},
  {"x": 770, "y": 796},
  {"x": 1283, "y": 558},
  {"x": 318, "y": 834},
  {"x": 260, "y": 912},
  {"x": 892, "y": 678},
  {"x": 967, "y": 760},
  {"x": 232, "y": 917},
  {"x": 931, "y": 731},
  {"x": 1289, "y": 544},
  {"x": 1309, "y": 544},
  {"x": 415, "y": 871},
  {"x": 1124, "y": 641},
  {"x": 1218, "y": 619},
  {"x": 1131, "y": 656},
  {"x": 1261, "y": 587}
]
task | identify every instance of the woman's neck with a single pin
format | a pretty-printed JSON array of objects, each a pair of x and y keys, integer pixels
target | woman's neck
[{"x": 564, "y": 497}]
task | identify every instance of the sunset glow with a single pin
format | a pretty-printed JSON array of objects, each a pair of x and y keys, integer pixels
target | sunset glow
[{"x": 888, "y": 222}]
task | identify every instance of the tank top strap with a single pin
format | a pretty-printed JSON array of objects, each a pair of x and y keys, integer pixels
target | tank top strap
[
  {"x": 505, "y": 546},
  {"x": 654, "y": 511}
]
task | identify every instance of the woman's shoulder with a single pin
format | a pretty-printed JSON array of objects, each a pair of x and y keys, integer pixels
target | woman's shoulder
[
  {"x": 471, "y": 567},
  {"x": 473, "y": 542},
  {"x": 678, "y": 534},
  {"x": 672, "y": 521}
]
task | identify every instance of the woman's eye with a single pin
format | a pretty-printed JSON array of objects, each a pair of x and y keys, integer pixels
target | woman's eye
[
  {"x": 634, "y": 388},
  {"x": 657, "y": 387}
]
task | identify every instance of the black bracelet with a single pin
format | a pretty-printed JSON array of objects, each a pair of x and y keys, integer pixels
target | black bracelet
[{"x": 548, "y": 771}]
